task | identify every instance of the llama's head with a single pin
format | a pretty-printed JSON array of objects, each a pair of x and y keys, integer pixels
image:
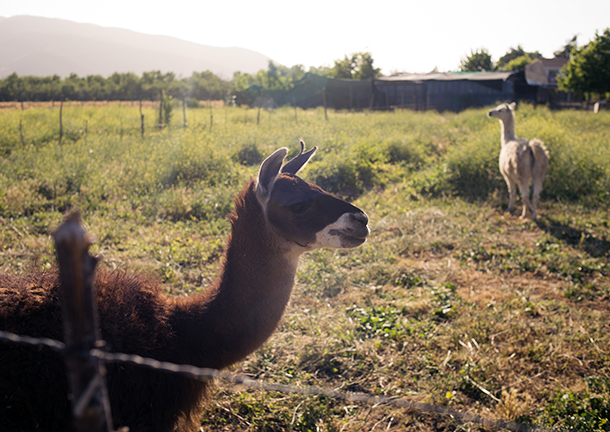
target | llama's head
[
  {"x": 302, "y": 214},
  {"x": 503, "y": 111}
]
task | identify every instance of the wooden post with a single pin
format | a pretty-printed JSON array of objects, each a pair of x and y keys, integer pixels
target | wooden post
[
  {"x": 294, "y": 102},
  {"x": 211, "y": 116},
  {"x": 141, "y": 119},
  {"x": 324, "y": 102},
  {"x": 86, "y": 129},
  {"x": 21, "y": 132},
  {"x": 90, "y": 406},
  {"x": 258, "y": 115},
  {"x": 161, "y": 109},
  {"x": 61, "y": 124}
]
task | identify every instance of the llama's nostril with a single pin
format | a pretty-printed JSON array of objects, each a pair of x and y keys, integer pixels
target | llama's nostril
[{"x": 360, "y": 217}]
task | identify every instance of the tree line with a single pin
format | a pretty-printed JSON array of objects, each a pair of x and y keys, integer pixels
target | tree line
[
  {"x": 587, "y": 72},
  {"x": 118, "y": 86},
  {"x": 154, "y": 84}
]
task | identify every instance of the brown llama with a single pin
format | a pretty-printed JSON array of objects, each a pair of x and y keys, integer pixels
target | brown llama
[
  {"x": 522, "y": 161},
  {"x": 276, "y": 218}
]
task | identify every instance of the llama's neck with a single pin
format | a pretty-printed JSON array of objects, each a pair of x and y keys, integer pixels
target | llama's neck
[
  {"x": 508, "y": 129},
  {"x": 243, "y": 308}
]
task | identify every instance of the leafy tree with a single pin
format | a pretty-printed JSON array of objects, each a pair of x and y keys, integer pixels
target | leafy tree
[
  {"x": 295, "y": 73},
  {"x": 241, "y": 81},
  {"x": 11, "y": 87},
  {"x": 276, "y": 77},
  {"x": 364, "y": 67},
  {"x": 275, "y": 80},
  {"x": 344, "y": 69},
  {"x": 588, "y": 70},
  {"x": 205, "y": 86},
  {"x": 97, "y": 87},
  {"x": 479, "y": 60},
  {"x": 510, "y": 55},
  {"x": 118, "y": 86},
  {"x": 519, "y": 63},
  {"x": 565, "y": 51},
  {"x": 124, "y": 86},
  {"x": 358, "y": 66},
  {"x": 72, "y": 87},
  {"x": 154, "y": 82},
  {"x": 514, "y": 54},
  {"x": 321, "y": 70}
]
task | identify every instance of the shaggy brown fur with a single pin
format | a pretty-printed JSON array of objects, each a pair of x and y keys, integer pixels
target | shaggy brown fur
[
  {"x": 135, "y": 317},
  {"x": 213, "y": 329}
]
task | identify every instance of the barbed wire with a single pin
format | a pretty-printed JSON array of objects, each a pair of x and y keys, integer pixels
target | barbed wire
[{"x": 206, "y": 374}]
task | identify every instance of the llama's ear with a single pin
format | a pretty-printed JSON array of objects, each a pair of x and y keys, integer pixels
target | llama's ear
[
  {"x": 512, "y": 106},
  {"x": 299, "y": 161},
  {"x": 268, "y": 172}
]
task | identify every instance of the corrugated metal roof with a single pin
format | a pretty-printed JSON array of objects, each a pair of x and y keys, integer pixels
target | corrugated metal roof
[{"x": 448, "y": 76}]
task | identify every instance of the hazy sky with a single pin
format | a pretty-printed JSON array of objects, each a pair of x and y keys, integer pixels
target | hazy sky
[{"x": 403, "y": 36}]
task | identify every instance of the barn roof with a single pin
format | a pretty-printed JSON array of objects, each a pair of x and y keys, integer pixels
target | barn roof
[{"x": 447, "y": 76}]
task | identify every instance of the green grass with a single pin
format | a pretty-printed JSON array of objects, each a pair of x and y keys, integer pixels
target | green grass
[{"x": 450, "y": 301}]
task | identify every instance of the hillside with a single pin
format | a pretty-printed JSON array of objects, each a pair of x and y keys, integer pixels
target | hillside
[{"x": 45, "y": 46}]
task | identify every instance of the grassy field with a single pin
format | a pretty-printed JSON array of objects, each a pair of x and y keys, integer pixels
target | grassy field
[{"x": 451, "y": 301}]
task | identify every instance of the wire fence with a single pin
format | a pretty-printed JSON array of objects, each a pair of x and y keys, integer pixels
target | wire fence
[{"x": 242, "y": 381}]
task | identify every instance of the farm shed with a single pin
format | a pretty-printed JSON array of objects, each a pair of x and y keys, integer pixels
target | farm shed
[{"x": 451, "y": 91}]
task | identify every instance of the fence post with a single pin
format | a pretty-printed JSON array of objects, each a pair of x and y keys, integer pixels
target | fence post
[
  {"x": 21, "y": 132},
  {"x": 141, "y": 119},
  {"x": 61, "y": 125},
  {"x": 90, "y": 406},
  {"x": 161, "y": 109},
  {"x": 211, "y": 116}
]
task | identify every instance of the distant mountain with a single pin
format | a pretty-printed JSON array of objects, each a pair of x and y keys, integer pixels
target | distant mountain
[{"x": 46, "y": 46}]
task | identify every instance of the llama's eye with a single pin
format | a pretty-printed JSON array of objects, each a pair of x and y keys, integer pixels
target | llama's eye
[{"x": 299, "y": 208}]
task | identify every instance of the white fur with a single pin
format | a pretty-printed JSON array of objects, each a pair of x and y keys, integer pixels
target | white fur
[
  {"x": 522, "y": 162},
  {"x": 345, "y": 232}
]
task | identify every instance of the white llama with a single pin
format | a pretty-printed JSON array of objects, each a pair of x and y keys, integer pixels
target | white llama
[{"x": 521, "y": 161}]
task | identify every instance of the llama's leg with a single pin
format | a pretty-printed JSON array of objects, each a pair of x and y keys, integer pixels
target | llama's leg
[
  {"x": 535, "y": 196},
  {"x": 512, "y": 191},
  {"x": 525, "y": 196}
]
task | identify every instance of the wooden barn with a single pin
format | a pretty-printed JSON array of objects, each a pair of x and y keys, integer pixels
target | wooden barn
[{"x": 451, "y": 91}]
